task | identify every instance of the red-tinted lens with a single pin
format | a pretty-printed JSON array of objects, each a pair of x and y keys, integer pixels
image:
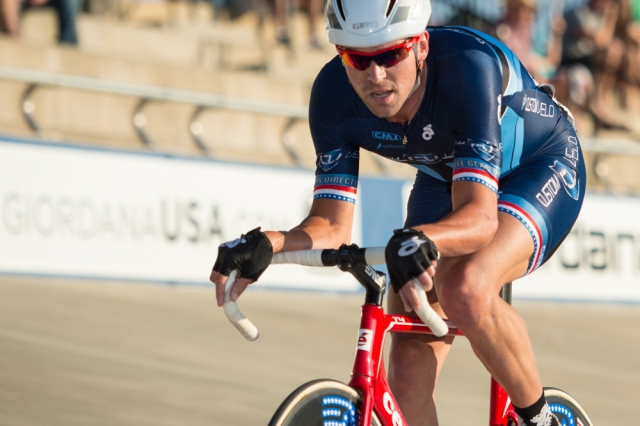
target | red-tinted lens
[
  {"x": 391, "y": 57},
  {"x": 385, "y": 58},
  {"x": 359, "y": 62}
]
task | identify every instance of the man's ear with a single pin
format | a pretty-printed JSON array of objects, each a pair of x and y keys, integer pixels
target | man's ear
[{"x": 423, "y": 46}]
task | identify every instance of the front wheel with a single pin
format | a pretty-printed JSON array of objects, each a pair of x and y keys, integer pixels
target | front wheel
[
  {"x": 566, "y": 409},
  {"x": 321, "y": 403}
]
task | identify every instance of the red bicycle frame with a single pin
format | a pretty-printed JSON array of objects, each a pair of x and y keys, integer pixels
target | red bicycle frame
[{"x": 369, "y": 377}]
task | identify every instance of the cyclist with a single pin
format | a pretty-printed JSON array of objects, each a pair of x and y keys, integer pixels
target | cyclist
[{"x": 500, "y": 183}]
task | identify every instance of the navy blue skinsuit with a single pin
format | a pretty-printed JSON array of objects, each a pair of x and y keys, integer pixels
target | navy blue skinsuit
[{"x": 482, "y": 119}]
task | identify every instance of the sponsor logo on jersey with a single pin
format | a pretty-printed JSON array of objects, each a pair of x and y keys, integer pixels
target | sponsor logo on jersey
[
  {"x": 535, "y": 106},
  {"x": 484, "y": 150},
  {"x": 569, "y": 178},
  {"x": 426, "y": 159},
  {"x": 571, "y": 153},
  {"x": 474, "y": 170},
  {"x": 328, "y": 160},
  {"x": 385, "y": 136},
  {"x": 336, "y": 187},
  {"x": 365, "y": 339},
  {"x": 427, "y": 132},
  {"x": 549, "y": 191},
  {"x": 390, "y": 146}
]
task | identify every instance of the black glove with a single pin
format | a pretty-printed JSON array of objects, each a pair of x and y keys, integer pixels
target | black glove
[
  {"x": 250, "y": 253},
  {"x": 408, "y": 254}
]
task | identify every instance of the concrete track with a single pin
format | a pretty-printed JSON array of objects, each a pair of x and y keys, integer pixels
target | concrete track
[{"x": 77, "y": 353}]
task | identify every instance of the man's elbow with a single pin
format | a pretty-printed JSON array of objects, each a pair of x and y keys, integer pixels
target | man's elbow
[{"x": 487, "y": 231}]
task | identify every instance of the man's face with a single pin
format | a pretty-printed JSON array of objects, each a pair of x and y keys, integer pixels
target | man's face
[{"x": 385, "y": 90}]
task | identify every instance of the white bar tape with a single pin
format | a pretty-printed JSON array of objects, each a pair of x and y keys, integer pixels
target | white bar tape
[
  {"x": 244, "y": 326},
  {"x": 374, "y": 255},
  {"x": 426, "y": 313},
  {"x": 302, "y": 257}
]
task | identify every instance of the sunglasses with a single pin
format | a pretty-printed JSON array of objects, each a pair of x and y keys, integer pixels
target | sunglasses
[{"x": 387, "y": 58}]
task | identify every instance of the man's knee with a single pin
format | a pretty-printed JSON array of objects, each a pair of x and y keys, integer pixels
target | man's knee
[{"x": 465, "y": 295}]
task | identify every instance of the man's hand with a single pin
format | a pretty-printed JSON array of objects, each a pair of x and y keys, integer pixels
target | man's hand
[
  {"x": 250, "y": 254},
  {"x": 410, "y": 254}
]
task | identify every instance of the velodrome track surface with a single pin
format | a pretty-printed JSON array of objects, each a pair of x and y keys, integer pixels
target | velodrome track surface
[{"x": 87, "y": 353}]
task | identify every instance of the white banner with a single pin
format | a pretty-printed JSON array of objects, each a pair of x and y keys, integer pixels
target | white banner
[
  {"x": 599, "y": 260},
  {"x": 70, "y": 211},
  {"x": 96, "y": 213}
]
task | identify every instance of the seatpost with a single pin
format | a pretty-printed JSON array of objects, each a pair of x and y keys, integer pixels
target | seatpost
[{"x": 505, "y": 293}]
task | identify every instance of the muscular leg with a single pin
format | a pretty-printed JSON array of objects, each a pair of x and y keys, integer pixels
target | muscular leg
[
  {"x": 414, "y": 365},
  {"x": 468, "y": 288}
]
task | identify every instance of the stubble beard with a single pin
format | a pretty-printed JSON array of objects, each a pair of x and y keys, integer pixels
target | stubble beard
[{"x": 386, "y": 110}]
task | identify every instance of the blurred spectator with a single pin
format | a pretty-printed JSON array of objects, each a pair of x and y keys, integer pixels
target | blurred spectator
[
  {"x": 11, "y": 11},
  {"x": 515, "y": 30},
  {"x": 312, "y": 9},
  {"x": 592, "y": 58},
  {"x": 628, "y": 29}
]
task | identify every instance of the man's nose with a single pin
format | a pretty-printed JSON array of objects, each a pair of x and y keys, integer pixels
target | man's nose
[{"x": 376, "y": 72}]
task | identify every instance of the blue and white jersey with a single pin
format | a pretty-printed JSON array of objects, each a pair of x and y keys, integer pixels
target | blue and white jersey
[{"x": 482, "y": 117}]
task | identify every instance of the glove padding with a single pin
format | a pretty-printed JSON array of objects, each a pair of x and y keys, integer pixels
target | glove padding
[
  {"x": 251, "y": 254},
  {"x": 408, "y": 254}
]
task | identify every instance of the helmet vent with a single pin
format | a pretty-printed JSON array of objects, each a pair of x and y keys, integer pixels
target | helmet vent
[
  {"x": 341, "y": 10},
  {"x": 390, "y": 8}
]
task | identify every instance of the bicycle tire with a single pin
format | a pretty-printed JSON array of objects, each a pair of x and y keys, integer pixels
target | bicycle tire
[
  {"x": 566, "y": 409},
  {"x": 321, "y": 402}
]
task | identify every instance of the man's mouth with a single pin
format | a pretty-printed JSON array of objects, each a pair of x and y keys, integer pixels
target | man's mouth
[{"x": 379, "y": 94}]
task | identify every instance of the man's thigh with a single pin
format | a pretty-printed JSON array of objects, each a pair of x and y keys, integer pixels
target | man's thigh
[{"x": 485, "y": 271}]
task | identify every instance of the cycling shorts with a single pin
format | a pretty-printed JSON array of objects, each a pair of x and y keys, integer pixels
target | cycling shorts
[{"x": 545, "y": 194}]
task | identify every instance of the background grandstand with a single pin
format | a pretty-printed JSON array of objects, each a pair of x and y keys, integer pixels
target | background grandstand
[{"x": 195, "y": 46}]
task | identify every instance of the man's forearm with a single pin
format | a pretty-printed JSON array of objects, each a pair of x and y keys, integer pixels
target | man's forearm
[
  {"x": 463, "y": 232},
  {"x": 312, "y": 233}
]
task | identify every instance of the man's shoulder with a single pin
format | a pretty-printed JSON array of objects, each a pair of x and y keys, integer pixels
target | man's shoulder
[
  {"x": 332, "y": 97},
  {"x": 453, "y": 41}
]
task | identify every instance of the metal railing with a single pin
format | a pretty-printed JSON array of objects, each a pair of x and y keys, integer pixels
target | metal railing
[
  {"x": 146, "y": 94},
  {"x": 205, "y": 101}
]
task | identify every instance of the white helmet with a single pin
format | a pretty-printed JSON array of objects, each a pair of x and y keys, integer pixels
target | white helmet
[{"x": 367, "y": 23}]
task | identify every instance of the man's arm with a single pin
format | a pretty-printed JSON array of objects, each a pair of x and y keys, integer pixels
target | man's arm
[
  {"x": 469, "y": 228},
  {"x": 472, "y": 223},
  {"x": 327, "y": 226}
]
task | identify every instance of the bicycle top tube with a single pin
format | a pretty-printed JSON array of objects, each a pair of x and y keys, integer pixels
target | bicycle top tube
[{"x": 414, "y": 325}]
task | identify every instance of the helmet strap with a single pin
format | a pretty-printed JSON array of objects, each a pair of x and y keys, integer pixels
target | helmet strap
[{"x": 418, "y": 70}]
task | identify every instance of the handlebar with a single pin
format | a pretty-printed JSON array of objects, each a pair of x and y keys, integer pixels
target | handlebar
[{"x": 363, "y": 256}]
